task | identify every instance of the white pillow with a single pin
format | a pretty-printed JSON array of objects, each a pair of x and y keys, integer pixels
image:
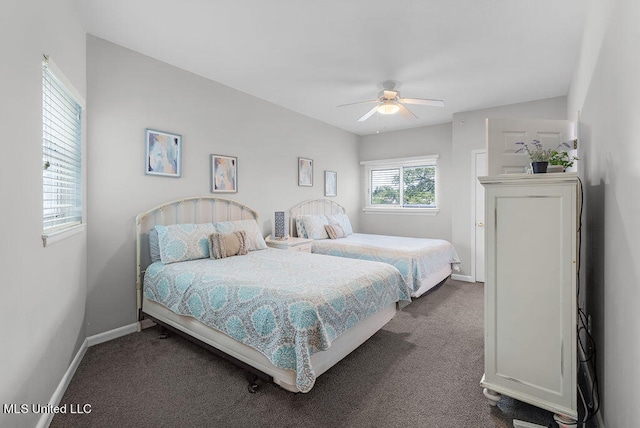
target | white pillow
[
  {"x": 314, "y": 226},
  {"x": 343, "y": 221},
  {"x": 182, "y": 242},
  {"x": 255, "y": 241}
]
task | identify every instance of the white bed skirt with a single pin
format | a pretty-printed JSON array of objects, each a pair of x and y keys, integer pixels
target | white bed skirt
[
  {"x": 321, "y": 361},
  {"x": 432, "y": 280}
]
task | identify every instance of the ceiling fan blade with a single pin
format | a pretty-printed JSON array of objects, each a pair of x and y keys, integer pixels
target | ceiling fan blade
[
  {"x": 359, "y": 102},
  {"x": 422, "y": 101},
  {"x": 368, "y": 114},
  {"x": 406, "y": 113}
]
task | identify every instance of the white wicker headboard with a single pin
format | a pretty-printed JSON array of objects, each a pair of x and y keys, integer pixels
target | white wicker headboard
[
  {"x": 313, "y": 207},
  {"x": 201, "y": 209}
]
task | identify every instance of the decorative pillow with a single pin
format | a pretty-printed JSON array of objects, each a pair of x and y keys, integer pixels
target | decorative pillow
[
  {"x": 223, "y": 245},
  {"x": 343, "y": 221},
  {"x": 182, "y": 242},
  {"x": 254, "y": 239},
  {"x": 300, "y": 228},
  {"x": 335, "y": 231},
  {"x": 314, "y": 226},
  {"x": 154, "y": 246}
]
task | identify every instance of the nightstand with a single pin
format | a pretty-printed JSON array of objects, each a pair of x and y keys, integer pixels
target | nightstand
[{"x": 290, "y": 244}]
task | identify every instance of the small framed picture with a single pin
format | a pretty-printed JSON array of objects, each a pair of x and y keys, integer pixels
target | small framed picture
[
  {"x": 224, "y": 174},
  {"x": 330, "y": 183},
  {"x": 163, "y": 153},
  {"x": 305, "y": 172}
]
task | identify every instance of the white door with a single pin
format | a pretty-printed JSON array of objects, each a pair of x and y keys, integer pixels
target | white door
[
  {"x": 480, "y": 168},
  {"x": 502, "y": 135}
]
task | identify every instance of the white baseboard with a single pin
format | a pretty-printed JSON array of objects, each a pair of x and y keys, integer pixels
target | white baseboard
[
  {"x": 112, "y": 334},
  {"x": 47, "y": 417},
  {"x": 465, "y": 278}
]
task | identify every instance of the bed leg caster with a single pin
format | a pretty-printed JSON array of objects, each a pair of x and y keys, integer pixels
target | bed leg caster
[
  {"x": 253, "y": 383},
  {"x": 164, "y": 333}
]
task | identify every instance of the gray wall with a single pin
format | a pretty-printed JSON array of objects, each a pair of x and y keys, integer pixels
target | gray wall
[
  {"x": 43, "y": 290},
  {"x": 129, "y": 92},
  {"x": 428, "y": 140},
  {"x": 606, "y": 92},
  {"x": 469, "y": 134}
]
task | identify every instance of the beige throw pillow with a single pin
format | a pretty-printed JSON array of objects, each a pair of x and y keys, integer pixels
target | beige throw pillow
[
  {"x": 223, "y": 245},
  {"x": 335, "y": 231}
]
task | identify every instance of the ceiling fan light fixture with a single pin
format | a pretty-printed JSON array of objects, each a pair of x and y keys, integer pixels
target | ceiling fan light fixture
[{"x": 388, "y": 107}]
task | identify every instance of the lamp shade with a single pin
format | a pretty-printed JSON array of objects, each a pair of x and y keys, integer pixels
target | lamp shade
[
  {"x": 280, "y": 224},
  {"x": 388, "y": 107}
]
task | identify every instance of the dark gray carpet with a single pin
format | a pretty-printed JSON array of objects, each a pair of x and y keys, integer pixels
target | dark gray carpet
[{"x": 421, "y": 370}]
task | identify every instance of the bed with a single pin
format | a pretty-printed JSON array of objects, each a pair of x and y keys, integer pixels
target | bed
[
  {"x": 284, "y": 316},
  {"x": 423, "y": 263}
]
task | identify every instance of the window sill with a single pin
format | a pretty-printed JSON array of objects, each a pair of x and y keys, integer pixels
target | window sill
[
  {"x": 402, "y": 211},
  {"x": 59, "y": 235}
]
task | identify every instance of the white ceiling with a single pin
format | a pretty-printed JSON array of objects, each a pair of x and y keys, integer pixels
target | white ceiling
[{"x": 310, "y": 56}]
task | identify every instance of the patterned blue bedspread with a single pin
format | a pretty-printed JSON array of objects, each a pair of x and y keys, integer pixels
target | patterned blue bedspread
[
  {"x": 285, "y": 304},
  {"x": 415, "y": 258}
]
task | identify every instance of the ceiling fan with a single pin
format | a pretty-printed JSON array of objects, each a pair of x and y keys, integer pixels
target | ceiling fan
[{"x": 389, "y": 101}]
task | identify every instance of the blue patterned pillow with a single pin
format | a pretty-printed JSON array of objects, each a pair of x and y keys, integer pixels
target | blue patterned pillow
[
  {"x": 300, "y": 228},
  {"x": 182, "y": 242},
  {"x": 255, "y": 241}
]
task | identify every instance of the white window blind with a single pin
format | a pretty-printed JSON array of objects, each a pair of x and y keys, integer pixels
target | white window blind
[
  {"x": 385, "y": 186},
  {"x": 61, "y": 154}
]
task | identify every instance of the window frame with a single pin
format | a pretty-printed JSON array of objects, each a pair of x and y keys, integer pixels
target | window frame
[
  {"x": 57, "y": 233},
  {"x": 399, "y": 163}
]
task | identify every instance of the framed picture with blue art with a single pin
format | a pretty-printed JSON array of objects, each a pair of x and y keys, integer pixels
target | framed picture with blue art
[
  {"x": 163, "y": 153},
  {"x": 330, "y": 183},
  {"x": 305, "y": 172},
  {"x": 224, "y": 174}
]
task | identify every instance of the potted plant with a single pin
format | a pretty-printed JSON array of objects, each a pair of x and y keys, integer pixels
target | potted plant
[
  {"x": 538, "y": 155},
  {"x": 541, "y": 158},
  {"x": 561, "y": 159}
]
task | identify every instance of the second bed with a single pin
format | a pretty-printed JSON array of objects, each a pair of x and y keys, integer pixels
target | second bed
[{"x": 423, "y": 263}]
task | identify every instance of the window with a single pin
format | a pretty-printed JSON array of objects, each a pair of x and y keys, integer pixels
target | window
[
  {"x": 61, "y": 153},
  {"x": 402, "y": 185}
]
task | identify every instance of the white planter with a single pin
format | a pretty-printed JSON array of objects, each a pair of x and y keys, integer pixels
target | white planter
[{"x": 555, "y": 168}]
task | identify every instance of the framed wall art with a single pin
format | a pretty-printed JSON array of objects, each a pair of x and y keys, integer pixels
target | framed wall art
[
  {"x": 224, "y": 174},
  {"x": 163, "y": 153},
  {"x": 330, "y": 183},
  {"x": 305, "y": 172}
]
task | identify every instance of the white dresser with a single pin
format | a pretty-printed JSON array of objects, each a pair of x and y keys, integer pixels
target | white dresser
[{"x": 531, "y": 248}]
